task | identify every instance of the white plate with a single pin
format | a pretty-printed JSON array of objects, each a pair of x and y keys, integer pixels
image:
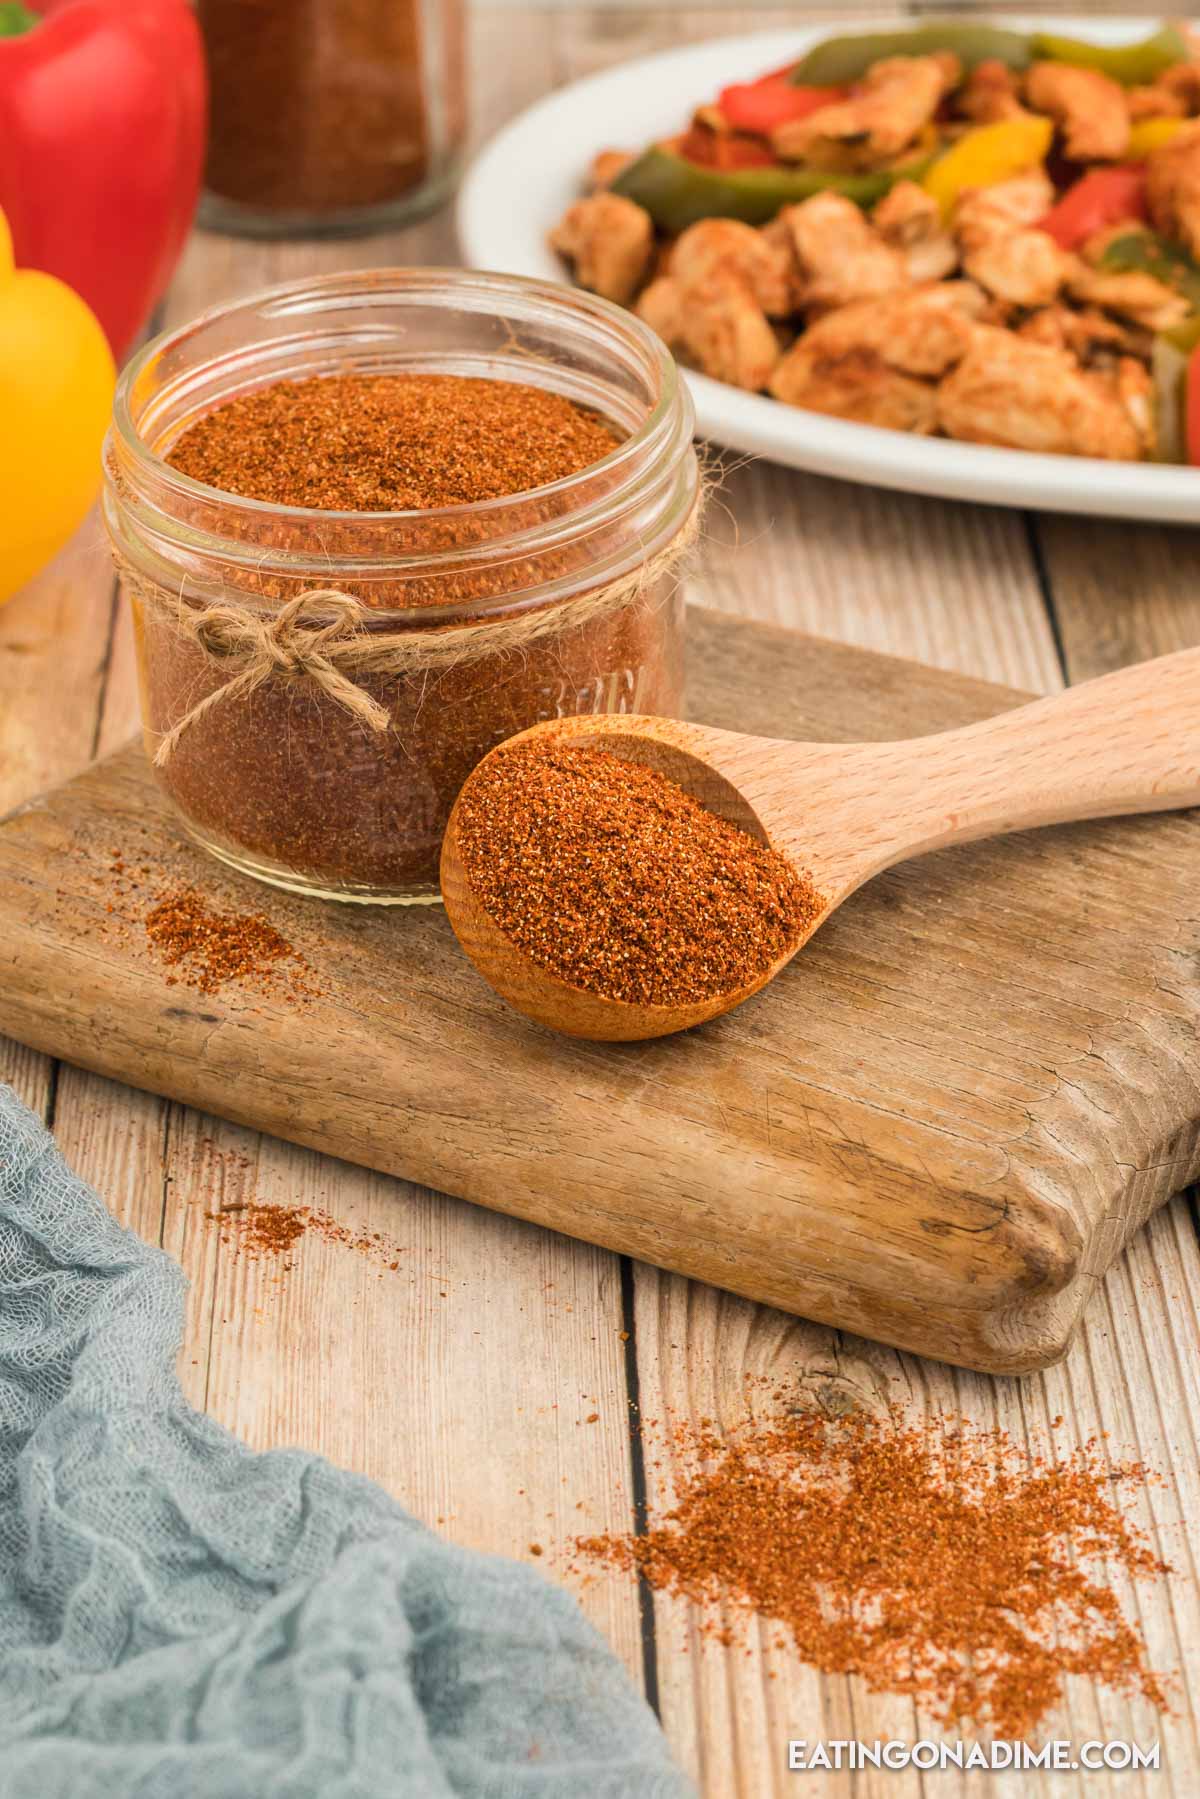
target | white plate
[{"x": 523, "y": 181}]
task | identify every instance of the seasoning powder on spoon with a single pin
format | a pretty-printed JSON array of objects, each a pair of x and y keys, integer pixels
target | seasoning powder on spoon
[{"x": 613, "y": 878}]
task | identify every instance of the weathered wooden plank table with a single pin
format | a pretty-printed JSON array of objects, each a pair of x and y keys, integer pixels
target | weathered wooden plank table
[{"x": 464, "y": 1383}]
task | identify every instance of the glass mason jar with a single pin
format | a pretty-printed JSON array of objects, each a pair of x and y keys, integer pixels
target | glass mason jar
[
  {"x": 331, "y": 115},
  {"x": 470, "y": 622}
]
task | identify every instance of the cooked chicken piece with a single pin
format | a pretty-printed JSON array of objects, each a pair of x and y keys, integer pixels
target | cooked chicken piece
[
  {"x": 907, "y": 214},
  {"x": 933, "y": 259},
  {"x": 778, "y": 234},
  {"x": 897, "y": 98},
  {"x": 1007, "y": 390},
  {"x": 1156, "y": 102},
  {"x": 726, "y": 331},
  {"x": 660, "y": 305},
  {"x": 1090, "y": 107},
  {"x": 1131, "y": 293},
  {"x": 610, "y": 240},
  {"x": 990, "y": 94},
  {"x": 712, "y": 305},
  {"x": 1183, "y": 84},
  {"x": 1175, "y": 95},
  {"x": 987, "y": 212},
  {"x": 860, "y": 387},
  {"x": 921, "y": 332},
  {"x": 1173, "y": 188},
  {"x": 1087, "y": 332},
  {"x": 725, "y": 247},
  {"x": 1025, "y": 267},
  {"x": 606, "y": 165},
  {"x": 841, "y": 255},
  {"x": 911, "y": 221}
]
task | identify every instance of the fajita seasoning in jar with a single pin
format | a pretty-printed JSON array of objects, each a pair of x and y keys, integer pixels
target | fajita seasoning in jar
[
  {"x": 331, "y": 115},
  {"x": 318, "y": 679}
]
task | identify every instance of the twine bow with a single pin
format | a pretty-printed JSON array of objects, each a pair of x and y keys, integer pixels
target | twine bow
[
  {"x": 281, "y": 643},
  {"x": 323, "y": 636}
]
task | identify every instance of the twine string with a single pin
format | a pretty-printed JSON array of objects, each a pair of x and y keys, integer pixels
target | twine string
[{"x": 322, "y": 636}]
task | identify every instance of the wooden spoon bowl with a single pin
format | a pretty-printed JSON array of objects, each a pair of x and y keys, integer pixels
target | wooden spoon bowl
[{"x": 1128, "y": 742}]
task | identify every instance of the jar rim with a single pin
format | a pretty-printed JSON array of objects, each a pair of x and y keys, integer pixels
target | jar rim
[{"x": 309, "y": 294}]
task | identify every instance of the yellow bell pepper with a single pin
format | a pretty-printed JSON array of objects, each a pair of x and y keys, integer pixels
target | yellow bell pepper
[
  {"x": 1152, "y": 134},
  {"x": 56, "y": 389},
  {"x": 991, "y": 153}
]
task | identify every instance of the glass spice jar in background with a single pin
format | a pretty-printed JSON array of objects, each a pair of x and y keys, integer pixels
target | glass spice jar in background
[
  {"x": 331, "y": 115},
  {"x": 563, "y": 600}
]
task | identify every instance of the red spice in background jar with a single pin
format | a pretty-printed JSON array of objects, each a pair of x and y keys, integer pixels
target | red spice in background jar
[{"x": 331, "y": 113}]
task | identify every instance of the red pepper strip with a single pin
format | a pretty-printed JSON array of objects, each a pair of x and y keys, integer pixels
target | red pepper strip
[
  {"x": 1101, "y": 197},
  {"x": 1192, "y": 408},
  {"x": 103, "y": 117},
  {"x": 761, "y": 105}
]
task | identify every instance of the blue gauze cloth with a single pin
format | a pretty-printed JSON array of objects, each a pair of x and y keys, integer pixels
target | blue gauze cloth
[{"x": 181, "y": 1617}]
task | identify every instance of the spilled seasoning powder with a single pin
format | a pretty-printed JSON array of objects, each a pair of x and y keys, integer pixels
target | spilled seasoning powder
[
  {"x": 267, "y": 1232},
  {"x": 212, "y": 948},
  {"x": 391, "y": 443},
  {"x": 933, "y": 1559},
  {"x": 612, "y": 877}
]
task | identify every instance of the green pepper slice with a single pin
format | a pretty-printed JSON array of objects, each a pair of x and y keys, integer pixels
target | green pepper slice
[
  {"x": 677, "y": 193},
  {"x": 1146, "y": 253},
  {"x": 1134, "y": 65},
  {"x": 842, "y": 59},
  {"x": 15, "y": 19}
]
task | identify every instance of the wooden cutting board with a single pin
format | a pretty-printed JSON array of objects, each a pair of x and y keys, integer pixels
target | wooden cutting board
[{"x": 937, "y": 1127}]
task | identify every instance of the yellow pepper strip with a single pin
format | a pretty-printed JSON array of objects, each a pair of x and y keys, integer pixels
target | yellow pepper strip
[
  {"x": 1152, "y": 134},
  {"x": 56, "y": 389},
  {"x": 990, "y": 154}
]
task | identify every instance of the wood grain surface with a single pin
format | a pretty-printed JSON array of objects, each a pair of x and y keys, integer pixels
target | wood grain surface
[
  {"x": 467, "y": 1407},
  {"x": 937, "y": 1126}
]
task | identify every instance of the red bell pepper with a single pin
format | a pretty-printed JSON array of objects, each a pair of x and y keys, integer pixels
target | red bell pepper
[
  {"x": 103, "y": 117},
  {"x": 762, "y": 105},
  {"x": 1100, "y": 198}
]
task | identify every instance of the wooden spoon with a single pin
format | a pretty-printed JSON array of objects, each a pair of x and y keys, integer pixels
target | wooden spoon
[{"x": 1128, "y": 742}]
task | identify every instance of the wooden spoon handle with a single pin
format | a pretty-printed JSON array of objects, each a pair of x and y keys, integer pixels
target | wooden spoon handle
[{"x": 1127, "y": 742}]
